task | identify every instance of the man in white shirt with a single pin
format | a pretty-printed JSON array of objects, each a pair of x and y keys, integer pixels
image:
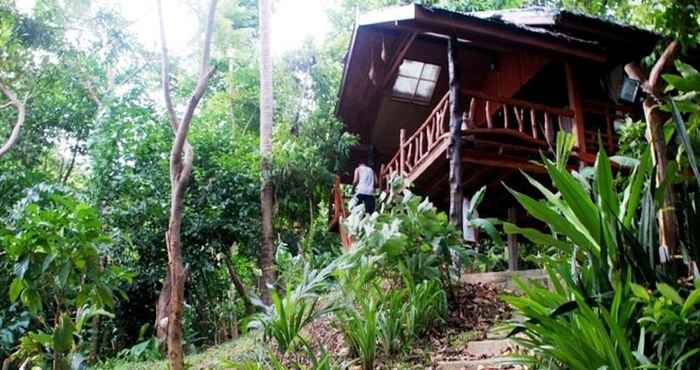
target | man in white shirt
[{"x": 363, "y": 182}]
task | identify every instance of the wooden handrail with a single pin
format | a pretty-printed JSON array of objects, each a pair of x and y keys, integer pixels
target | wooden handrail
[
  {"x": 517, "y": 102},
  {"x": 531, "y": 121},
  {"x": 339, "y": 212}
]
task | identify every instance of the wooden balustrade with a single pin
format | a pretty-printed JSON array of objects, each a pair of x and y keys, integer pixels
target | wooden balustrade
[
  {"x": 533, "y": 122},
  {"x": 338, "y": 213}
]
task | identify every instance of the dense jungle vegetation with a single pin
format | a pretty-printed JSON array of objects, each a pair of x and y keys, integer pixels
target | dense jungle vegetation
[{"x": 89, "y": 207}]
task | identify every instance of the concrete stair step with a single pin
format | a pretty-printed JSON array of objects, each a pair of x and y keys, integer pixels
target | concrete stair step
[
  {"x": 501, "y": 330},
  {"x": 490, "y": 348},
  {"x": 496, "y": 363},
  {"x": 504, "y": 279}
]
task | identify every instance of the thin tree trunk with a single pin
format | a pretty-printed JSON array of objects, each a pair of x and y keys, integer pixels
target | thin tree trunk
[
  {"x": 236, "y": 281},
  {"x": 21, "y": 114},
  {"x": 666, "y": 215},
  {"x": 74, "y": 154},
  {"x": 266, "y": 111},
  {"x": 181, "y": 157},
  {"x": 454, "y": 149}
]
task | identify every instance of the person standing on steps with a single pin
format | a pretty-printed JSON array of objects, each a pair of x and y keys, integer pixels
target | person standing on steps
[{"x": 363, "y": 182}]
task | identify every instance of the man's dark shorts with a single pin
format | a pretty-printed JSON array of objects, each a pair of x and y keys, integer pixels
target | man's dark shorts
[{"x": 367, "y": 200}]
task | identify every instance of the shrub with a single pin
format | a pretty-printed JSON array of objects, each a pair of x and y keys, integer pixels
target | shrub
[
  {"x": 673, "y": 327},
  {"x": 359, "y": 326},
  {"x": 298, "y": 307}
]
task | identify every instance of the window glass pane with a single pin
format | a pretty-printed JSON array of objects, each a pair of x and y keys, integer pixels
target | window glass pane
[
  {"x": 431, "y": 72},
  {"x": 410, "y": 68},
  {"x": 405, "y": 87},
  {"x": 425, "y": 91}
]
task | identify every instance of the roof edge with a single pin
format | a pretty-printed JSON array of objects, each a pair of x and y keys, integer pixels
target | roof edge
[{"x": 390, "y": 14}]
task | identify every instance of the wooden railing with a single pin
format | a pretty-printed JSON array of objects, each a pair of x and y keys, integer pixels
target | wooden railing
[
  {"x": 525, "y": 120},
  {"x": 338, "y": 213}
]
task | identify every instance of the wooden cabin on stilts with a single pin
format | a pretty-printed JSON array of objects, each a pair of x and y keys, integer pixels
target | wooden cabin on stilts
[{"x": 453, "y": 102}]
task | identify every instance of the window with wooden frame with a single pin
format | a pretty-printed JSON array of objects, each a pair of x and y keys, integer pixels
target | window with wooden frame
[{"x": 416, "y": 81}]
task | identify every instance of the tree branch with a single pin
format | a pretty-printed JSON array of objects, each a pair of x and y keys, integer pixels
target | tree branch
[
  {"x": 661, "y": 64},
  {"x": 205, "y": 73},
  {"x": 21, "y": 114},
  {"x": 165, "y": 71}
]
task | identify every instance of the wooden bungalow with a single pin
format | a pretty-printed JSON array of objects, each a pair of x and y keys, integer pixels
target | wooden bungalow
[{"x": 521, "y": 76}]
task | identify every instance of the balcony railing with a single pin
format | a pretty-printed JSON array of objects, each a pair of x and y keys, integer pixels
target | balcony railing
[{"x": 530, "y": 122}]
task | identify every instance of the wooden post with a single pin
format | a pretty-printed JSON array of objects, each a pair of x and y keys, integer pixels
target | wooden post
[
  {"x": 577, "y": 106},
  {"x": 512, "y": 241},
  {"x": 610, "y": 123},
  {"x": 402, "y": 156},
  {"x": 454, "y": 149},
  {"x": 381, "y": 176}
]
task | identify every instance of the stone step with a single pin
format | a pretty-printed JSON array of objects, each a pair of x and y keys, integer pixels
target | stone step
[
  {"x": 498, "y": 363},
  {"x": 502, "y": 329},
  {"x": 490, "y": 348},
  {"x": 504, "y": 279}
]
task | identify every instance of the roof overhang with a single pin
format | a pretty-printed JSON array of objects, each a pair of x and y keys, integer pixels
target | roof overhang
[{"x": 438, "y": 23}]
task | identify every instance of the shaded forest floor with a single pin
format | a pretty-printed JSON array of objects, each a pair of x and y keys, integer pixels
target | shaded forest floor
[{"x": 474, "y": 311}]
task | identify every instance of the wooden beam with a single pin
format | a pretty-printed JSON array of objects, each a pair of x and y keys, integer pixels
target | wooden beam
[
  {"x": 397, "y": 59},
  {"x": 455, "y": 138},
  {"x": 500, "y": 161},
  {"x": 575, "y": 103}
]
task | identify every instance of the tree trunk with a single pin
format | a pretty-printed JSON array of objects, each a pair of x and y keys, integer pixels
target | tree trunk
[
  {"x": 21, "y": 113},
  {"x": 666, "y": 215},
  {"x": 162, "y": 309},
  {"x": 249, "y": 309},
  {"x": 181, "y": 157},
  {"x": 266, "y": 110},
  {"x": 454, "y": 149}
]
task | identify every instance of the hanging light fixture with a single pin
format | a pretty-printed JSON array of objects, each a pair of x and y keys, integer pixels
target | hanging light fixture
[{"x": 629, "y": 92}]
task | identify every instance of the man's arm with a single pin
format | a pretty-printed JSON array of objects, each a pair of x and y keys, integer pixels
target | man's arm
[{"x": 355, "y": 178}]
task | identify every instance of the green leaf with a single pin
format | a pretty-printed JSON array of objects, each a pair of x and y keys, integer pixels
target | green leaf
[
  {"x": 31, "y": 299},
  {"x": 16, "y": 288},
  {"x": 686, "y": 70},
  {"x": 488, "y": 226},
  {"x": 104, "y": 294},
  {"x": 690, "y": 302},
  {"x": 607, "y": 197},
  {"x": 633, "y": 192},
  {"x": 63, "y": 335},
  {"x": 536, "y": 236},
  {"x": 690, "y": 83},
  {"x": 554, "y": 220},
  {"x": 640, "y": 292},
  {"x": 577, "y": 198},
  {"x": 670, "y": 293},
  {"x": 21, "y": 267},
  {"x": 685, "y": 140}
]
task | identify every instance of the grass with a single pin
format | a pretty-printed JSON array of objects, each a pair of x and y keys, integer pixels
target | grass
[{"x": 236, "y": 351}]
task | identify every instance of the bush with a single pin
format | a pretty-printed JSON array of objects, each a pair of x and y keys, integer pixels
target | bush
[
  {"x": 401, "y": 268},
  {"x": 298, "y": 307}
]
